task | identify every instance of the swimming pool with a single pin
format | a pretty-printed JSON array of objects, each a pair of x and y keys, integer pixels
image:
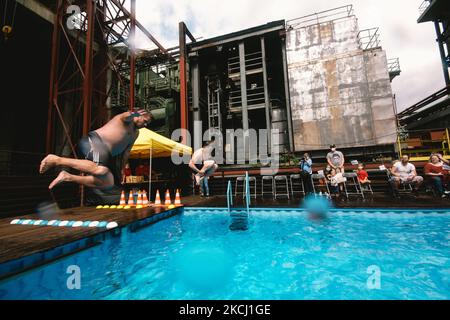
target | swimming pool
[{"x": 354, "y": 254}]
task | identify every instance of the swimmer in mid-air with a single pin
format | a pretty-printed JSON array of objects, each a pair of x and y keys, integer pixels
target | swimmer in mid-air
[{"x": 99, "y": 151}]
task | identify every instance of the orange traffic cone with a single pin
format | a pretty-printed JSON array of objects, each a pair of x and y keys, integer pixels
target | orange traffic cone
[
  {"x": 167, "y": 202},
  {"x": 131, "y": 199},
  {"x": 177, "y": 199},
  {"x": 157, "y": 199},
  {"x": 145, "y": 199},
  {"x": 139, "y": 199},
  {"x": 123, "y": 202}
]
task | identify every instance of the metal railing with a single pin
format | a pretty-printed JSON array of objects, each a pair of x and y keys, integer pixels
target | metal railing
[
  {"x": 369, "y": 38},
  {"x": 420, "y": 144},
  {"x": 247, "y": 193},
  {"x": 394, "y": 65},
  {"x": 321, "y": 17},
  {"x": 229, "y": 196}
]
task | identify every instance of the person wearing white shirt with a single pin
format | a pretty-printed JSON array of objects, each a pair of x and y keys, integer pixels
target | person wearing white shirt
[
  {"x": 204, "y": 166},
  {"x": 404, "y": 172}
]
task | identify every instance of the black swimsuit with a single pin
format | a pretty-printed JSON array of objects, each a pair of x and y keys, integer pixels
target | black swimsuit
[{"x": 94, "y": 149}]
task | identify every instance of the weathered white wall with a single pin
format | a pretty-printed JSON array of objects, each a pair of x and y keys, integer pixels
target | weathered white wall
[{"x": 339, "y": 93}]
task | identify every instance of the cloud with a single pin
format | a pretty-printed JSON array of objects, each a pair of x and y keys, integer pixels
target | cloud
[{"x": 401, "y": 36}]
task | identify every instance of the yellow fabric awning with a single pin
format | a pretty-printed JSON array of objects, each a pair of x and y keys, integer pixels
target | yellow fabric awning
[{"x": 161, "y": 146}]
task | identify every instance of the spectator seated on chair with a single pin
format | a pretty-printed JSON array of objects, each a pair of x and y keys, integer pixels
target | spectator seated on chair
[
  {"x": 404, "y": 173},
  {"x": 332, "y": 181},
  {"x": 436, "y": 175},
  {"x": 363, "y": 176}
]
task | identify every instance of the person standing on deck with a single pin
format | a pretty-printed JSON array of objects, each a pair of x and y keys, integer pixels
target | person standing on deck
[
  {"x": 306, "y": 172},
  {"x": 336, "y": 159},
  {"x": 99, "y": 151}
]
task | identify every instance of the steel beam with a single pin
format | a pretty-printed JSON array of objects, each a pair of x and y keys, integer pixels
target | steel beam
[
  {"x": 441, "y": 41},
  {"x": 133, "y": 56},
  {"x": 195, "y": 90},
  {"x": 244, "y": 98},
  {"x": 287, "y": 94},
  {"x": 266, "y": 93},
  {"x": 53, "y": 78},
  {"x": 183, "y": 81},
  {"x": 243, "y": 86},
  {"x": 88, "y": 63}
]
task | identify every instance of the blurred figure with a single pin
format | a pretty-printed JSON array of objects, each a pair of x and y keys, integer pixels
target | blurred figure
[
  {"x": 317, "y": 207},
  {"x": 126, "y": 172}
]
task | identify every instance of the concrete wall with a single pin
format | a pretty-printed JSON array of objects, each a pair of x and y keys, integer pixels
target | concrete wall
[{"x": 339, "y": 93}]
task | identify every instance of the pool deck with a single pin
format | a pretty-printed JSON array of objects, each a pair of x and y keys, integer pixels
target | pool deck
[{"x": 17, "y": 241}]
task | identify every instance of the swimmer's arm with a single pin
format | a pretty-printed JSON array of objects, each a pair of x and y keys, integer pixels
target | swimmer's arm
[
  {"x": 130, "y": 115},
  {"x": 126, "y": 153}
]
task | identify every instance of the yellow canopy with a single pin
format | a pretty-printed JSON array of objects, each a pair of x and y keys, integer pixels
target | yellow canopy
[{"x": 161, "y": 146}]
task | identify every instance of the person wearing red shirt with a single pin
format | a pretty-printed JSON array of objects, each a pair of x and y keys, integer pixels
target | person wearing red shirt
[
  {"x": 126, "y": 172},
  {"x": 435, "y": 173},
  {"x": 363, "y": 176}
]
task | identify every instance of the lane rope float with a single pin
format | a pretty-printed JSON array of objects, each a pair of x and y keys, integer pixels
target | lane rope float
[{"x": 66, "y": 223}]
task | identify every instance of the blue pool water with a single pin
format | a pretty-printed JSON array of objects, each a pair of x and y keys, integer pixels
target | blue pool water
[{"x": 282, "y": 255}]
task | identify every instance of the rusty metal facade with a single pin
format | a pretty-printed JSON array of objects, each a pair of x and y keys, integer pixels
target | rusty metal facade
[{"x": 340, "y": 92}]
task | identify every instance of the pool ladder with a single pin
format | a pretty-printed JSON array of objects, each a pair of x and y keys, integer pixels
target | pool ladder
[{"x": 239, "y": 217}]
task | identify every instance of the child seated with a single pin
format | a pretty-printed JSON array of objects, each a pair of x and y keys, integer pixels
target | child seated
[
  {"x": 334, "y": 185},
  {"x": 363, "y": 176}
]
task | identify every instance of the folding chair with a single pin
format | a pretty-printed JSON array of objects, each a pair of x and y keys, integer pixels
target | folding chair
[
  {"x": 281, "y": 182},
  {"x": 317, "y": 183},
  {"x": 242, "y": 180},
  {"x": 299, "y": 184},
  {"x": 353, "y": 184},
  {"x": 404, "y": 188},
  {"x": 267, "y": 179}
]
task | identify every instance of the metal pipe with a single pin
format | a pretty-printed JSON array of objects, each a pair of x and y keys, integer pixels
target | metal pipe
[
  {"x": 244, "y": 97},
  {"x": 266, "y": 93},
  {"x": 133, "y": 55},
  {"x": 87, "y": 83},
  {"x": 183, "y": 82},
  {"x": 287, "y": 95},
  {"x": 53, "y": 77},
  {"x": 196, "y": 91}
]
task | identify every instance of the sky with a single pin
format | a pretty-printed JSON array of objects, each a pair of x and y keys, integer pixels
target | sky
[{"x": 401, "y": 35}]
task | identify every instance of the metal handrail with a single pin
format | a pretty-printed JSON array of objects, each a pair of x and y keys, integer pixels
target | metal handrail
[
  {"x": 247, "y": 192},
  {"x": 229, "y": 196}
]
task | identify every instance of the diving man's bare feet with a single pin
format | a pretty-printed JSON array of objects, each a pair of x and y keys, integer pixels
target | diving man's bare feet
[
  {"x": 48, "y": 162},
  {"x": 62, "y": 177}
]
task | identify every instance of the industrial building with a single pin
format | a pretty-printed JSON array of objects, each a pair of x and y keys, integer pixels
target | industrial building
[{"x": 316, "y": 80}]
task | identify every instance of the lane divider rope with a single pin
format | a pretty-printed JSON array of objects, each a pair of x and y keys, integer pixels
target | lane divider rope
[{"x": 66, "y": 223}]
